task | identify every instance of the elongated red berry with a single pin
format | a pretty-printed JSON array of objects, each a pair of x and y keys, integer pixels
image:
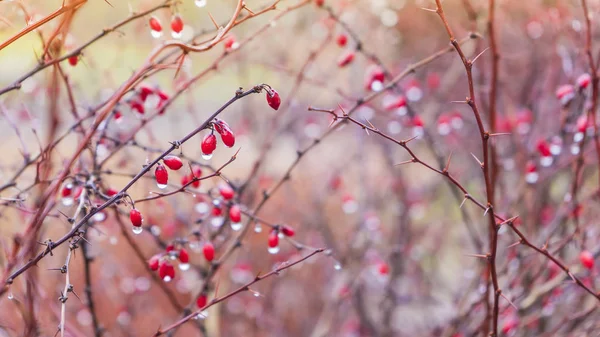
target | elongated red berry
[
  {"x": 185, "y": 180},
  {"x": 166, "y": 271},
  {"x": 176, "y": 25},
  {"x": 138, "y": 106},
  {"x": 273, "y": 99},
  {"x": 66, "y": 190},
  {"x": 319, "y": 3},
  {"x": 341, "y": 40},
  {"x": 543, "y": 148},
  {"x": 226, "y": 191},
  {"x": 173, "y": 162},
  {"x": 287, "y": 231},
  {"x": 216, "y": 211},
  {"x": 155, "y": 24},
  {"x": 136, "y": 217},
  {"x": 201, "y": 301},
  {"x": 235, "y": 214},
  {"x": 209, "y": 144},
  {"x": 273, "y": 239},
  {"x": 153, "y": 262},
  {"x": 345, "y": 59},
  {"x": 383, "y": 268},
  {"x": 197, "y": 173},
  {"x": 209, "y": 251},
  {"x": 162, "y": 176},
  {"x": 73, "y": 60},
  {"x": 111, "y": 192},
  {"x": 587, "y": 259},
  {"x": 184, "y": 257},
  {"x": 225, "y": 131},
  {"x": 169, "y": 248},
  {"x": 583, "y": 81}
]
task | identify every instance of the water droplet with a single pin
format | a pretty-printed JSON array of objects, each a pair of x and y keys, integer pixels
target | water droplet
[
  {"x": 273, "y": 250},
  {"x": 280, "y": 235},
  {"x": 257, "y": 228},
  {"x": 200, "y": 3},
  {"x": 155, "y": 34},
  {"x": 217, "y": 221},
  {"x": 176, "y": 35},
  {"x": 206, "y": 156},
  {"x": 167, "y": 278},
  {"x": 99, "y": 217},
  {"x": 256, "y": 294},
  {"x": 337, "y": 266},
  {"x": 184, "y": 266},
  {"x": 137, "y": 230},
  {"x": 155, "y": 230},
  {"x": 531, "y": 177},
  {"x": 236, "y": 226},
  {"x": 376, "y": 86},
  {"x": 578, "y": 137},
  {"x": 113, "y": 240},
  {"x": 67, "y": 201},
  {"x": 350, "y": 207},
  {"x": 546, "y": 161},
  {"x": 161, "y": 186},
  {"x": 201, "y": 207},
  {"x": 11, "y": 296},
  {"x": 575, "y": 149}
]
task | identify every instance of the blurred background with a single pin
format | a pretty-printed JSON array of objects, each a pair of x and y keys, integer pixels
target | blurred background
[{"x": 399, "y": 244}]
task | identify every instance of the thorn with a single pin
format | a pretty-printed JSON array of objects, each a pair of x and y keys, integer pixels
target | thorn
[
  {"x": 236, "y": 153},
  {"x": 507, "y": 221},
  {"x": 213, "y": 21},
  {"x": 405, "y": 162},
  {"x": 462, "y": 102},
  {"x": 343, "y": 111},
  {"x": 476, "y": 57},
  {"x": 500, "y": 134},
  {"x": 429, "y": 9},
  {"x": 511, "y": 303},
  {"x": 514, "y": 244},
  {"x": 408, "y": 140},
  {"x": 486, "y": 211},
  {"x": 463, "y": 202},
  {"x": 479, "y": 161},
  {"x": 370, "y": 124},
  {"x": 448, "y": 162},
  {"x": 482, "y": 256}
]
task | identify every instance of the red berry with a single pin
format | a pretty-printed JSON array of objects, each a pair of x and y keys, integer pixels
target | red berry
[
  {"x": 341, "y": 40},
  {"x": 155, "y": 24},
  {"x": 136, "y": 217},
  {"x": 273, "y": 239},
  {"x": 197, "y": 173},
  {"x": 162, "y": 95},
  {"x": 417, "y": 121},
  {"x": 169, "y": 248},
  {"x": 77, "y": 192},
  {"x": 383, "y": 268},
  {"x": 111, "y": 192},
  {"x": 565, "y": 93},
  {"x": 138, "y": 106},
  {"x": 230, "y": 42},
  {"x": 319, "y": 3},
  {"x": 162, "y": 176},
  {"x": 201, "y": 301},
  {"x": 209, "y": 251},
  {"x": 587, "y": 259},
  {"x": 345, "y": 59},
  {"x": 66, "y": 190},
  {"x": 287, "y": 231},
  {"x": 73, "y": 60},
  {"x": 273, "y": 99},
  {"x": 166, "y": 271},
  {"x": 543, "y": 148},
  {"x": 583, "y": 81},
  {"x": 184, "y": 257},
  {"x": 185, "y": 180},
  {"x": 216, "y": 211},
  {"x": 226, "y": 191},
  {"x": 209, "y": 144},
  {"x": 226, "y": 135},
  {"x": 145, "y": 91},
  {"x": 176, "y": 24},
  {"x": 153, "y": 262},
  {"x": 173, "y": 162},
  {"x": 235, "y": 214}
]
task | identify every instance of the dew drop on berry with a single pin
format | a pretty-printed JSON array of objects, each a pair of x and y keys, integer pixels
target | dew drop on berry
[
  {"x": 532, "y": 177},
  {"x": 207, "y": 156},
  {"x": 337, "y": 266},
  {"x": 137, "y": 230},
  {"x": 236, "y": 226},
  {"x": 257, "y": 228},
  {"x": 167, "y": 278},
  {"x": 273, "y": 250},
  {"x": 99, "y": 217},
  {"x": 156, "y": 34},
  {"x": 376, "y": 86},
  {"x": 217, "y": 221},
  {"x": 350, "y": 206},
  {"x": 280, "y": 235},
  {"x": 176, "y": 35},
  {"x": 546, "y": 161},
  {"x": 11, "y": 296},
  {"x": 184, "y": 266},
  {"x": 68, "y": 201},
  {"x": 161, "y": 186},
  {"x": 575, "y": 149},
  {"x": 200, "y": 3}
]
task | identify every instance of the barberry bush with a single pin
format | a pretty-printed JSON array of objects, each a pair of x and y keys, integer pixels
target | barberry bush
[{"x": 299, "y": 168}]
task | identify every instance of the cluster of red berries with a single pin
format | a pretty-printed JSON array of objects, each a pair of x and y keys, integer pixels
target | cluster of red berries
[
  {"x": 156, "y": 29},
  {"x": 276, "y": 233}
]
